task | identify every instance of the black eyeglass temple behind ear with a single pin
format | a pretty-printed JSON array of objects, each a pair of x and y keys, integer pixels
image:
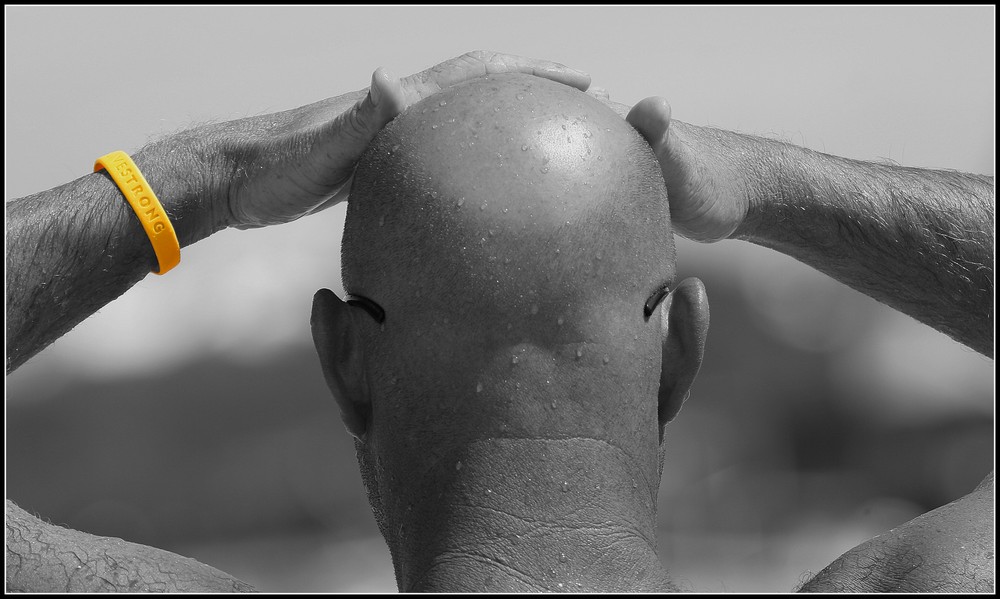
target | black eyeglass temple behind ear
[
  {"x": 654, "y": 300},
  {"x": 368, "y": 305}
]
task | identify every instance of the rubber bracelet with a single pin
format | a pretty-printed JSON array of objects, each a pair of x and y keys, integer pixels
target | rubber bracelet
[{"x": 149, "y": 210}]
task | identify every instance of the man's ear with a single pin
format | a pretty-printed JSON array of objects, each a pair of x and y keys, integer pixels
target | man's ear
[
  {"x": 684, "y": 314},
  {"x": 338, "y": 343}
]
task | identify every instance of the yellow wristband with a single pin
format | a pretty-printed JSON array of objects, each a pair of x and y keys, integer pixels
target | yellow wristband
[{"x": 149, "y": 210}]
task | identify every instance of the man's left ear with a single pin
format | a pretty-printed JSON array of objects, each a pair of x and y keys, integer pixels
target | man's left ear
[
  {"x": 341, "y": 356},
  {"x": 684, "y": 317}
]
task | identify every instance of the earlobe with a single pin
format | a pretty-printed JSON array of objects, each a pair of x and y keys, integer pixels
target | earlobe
[
  {"x": 685, "y": 317},
  {"x": 341, "y": 357}
]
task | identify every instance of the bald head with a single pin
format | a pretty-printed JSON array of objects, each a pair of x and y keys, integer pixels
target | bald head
[
  {"x": 509, "y": 221},
  {"x": 515, "y": 194},
  {"x": 515, "y": 234}
]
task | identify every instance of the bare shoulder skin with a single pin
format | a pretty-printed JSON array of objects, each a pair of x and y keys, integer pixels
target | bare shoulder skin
[
  {"x": 42, "y": 557},
  {"x": 947, "y": 550}
]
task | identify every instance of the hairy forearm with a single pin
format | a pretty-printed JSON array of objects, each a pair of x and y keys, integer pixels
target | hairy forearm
[
  {"x": 74, "y": 248},
  {"x": 42, "y": 557},
  {"x": 918, "y": 240}
]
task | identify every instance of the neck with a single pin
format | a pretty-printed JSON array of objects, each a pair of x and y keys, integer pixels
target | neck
[{"x": 524, "y": 515}]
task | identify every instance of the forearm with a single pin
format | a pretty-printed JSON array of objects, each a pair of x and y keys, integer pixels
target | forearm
[
  {"x": 45, "y": 558},
  {"x": 918, "y": 240},
  {"x": 73, "y": 249}
]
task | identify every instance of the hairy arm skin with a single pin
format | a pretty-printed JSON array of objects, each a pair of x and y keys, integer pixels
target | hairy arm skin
[
  {"x": 949, "y": 550},
  {"x": 75, "y": 248},
  {"x": 918, "y": 240},
  {"x": 42, "y": 557}
]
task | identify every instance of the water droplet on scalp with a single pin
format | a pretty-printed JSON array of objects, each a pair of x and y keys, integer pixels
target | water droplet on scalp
[
  {"x": 519, "y": 96},
  {"x": 606, "y": 359},
  {"x": 434, "y": 195},
  {"x": 559, "y": 321},
  {"x": 565, "y": 488},
  {"x": 395, "y": 147},
  {"x": 553, "y": 404},
  {"x": 600, "y": 157},
  {"x": 496, "y": 109},
  {"x": 545, "y": 169},
  {"x": 505, "y": 211},
  {"x": 458, "y": 465},
  {"x": 506, "y": 260},
  {"x": 460, "y": 202},
  {"x": 479, "y": 387},
  {"x": 513, "y": 359},
  {"x": 524, "y": 148},
  {"x": 482, "y": 206},
  {"x": 562, "y": 558},
  {"x": 579, "y": 353},
  {"x": 442, "y": 103}
]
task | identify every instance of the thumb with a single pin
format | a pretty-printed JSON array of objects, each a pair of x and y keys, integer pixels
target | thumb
[
  {"x": 651, "y": 118},
  {"x": 385, "y": 97}
]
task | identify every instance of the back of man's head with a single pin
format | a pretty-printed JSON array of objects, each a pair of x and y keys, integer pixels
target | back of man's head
[
  {"x": 516, "y": 235},
  {"x": 512, "y": 229}
]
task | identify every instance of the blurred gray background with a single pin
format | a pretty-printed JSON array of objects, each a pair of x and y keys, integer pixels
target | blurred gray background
[{"x": 820, "y": 418}]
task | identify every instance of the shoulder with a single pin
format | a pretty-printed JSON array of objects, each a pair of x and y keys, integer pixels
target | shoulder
[{"x": 949, "y": 549}]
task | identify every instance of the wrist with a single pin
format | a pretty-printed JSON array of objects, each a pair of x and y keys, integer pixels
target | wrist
[
  {"x": 180, "y": 172},
  {"x": 719, "y": 176},
  {"x": 772, "y": 176}
]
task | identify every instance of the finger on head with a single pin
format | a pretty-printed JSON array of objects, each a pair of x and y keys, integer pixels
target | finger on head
[
  {"x": 386, "y": 94},
  {"x": 651, "y": 118},
  {"x": 565, "y": 75},
  {"x": 599, "y": 93}
]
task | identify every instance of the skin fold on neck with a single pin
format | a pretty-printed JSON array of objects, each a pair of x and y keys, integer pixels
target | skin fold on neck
[{"x": 522, "y": 515}]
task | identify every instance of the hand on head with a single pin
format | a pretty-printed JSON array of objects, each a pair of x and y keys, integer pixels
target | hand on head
[
  {"x": 706, "y": 202},
  {"x": 286, "y": 165}
]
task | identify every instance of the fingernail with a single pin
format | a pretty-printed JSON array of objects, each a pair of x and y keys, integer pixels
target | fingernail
[{"x": 374, "y": 92}]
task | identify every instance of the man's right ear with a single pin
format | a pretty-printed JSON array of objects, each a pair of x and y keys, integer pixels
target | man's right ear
[{"x": 341, "y": 355}]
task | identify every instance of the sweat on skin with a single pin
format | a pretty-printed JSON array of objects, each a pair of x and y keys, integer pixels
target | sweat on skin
[{"x": 509, "y": 409}]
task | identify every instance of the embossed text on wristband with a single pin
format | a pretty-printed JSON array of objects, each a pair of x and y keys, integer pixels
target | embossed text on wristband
[{"x": 147, "y": 207}]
